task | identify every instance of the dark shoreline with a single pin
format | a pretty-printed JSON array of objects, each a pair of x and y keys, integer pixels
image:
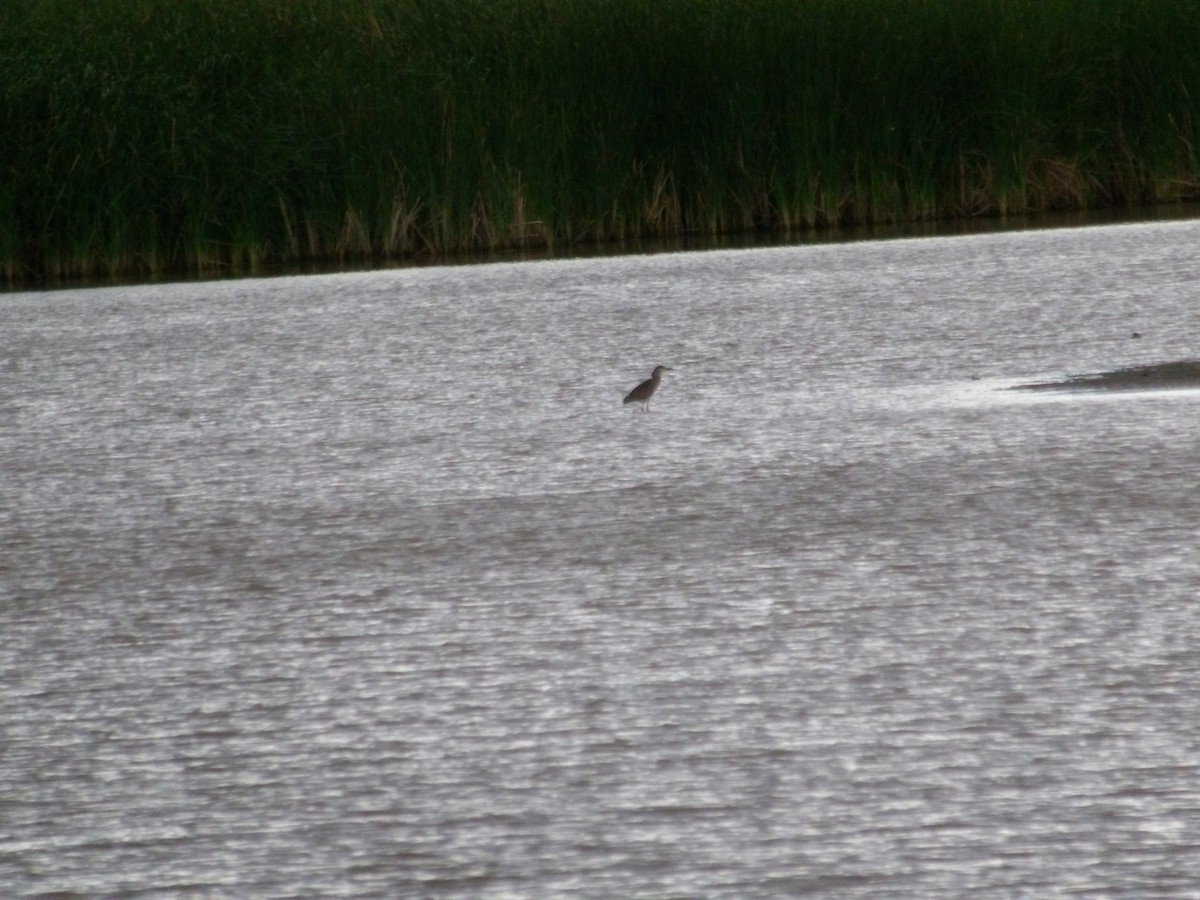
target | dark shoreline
[
  {"x": 1172, "y": 212},
  {"x": 1155, "y": 376}
]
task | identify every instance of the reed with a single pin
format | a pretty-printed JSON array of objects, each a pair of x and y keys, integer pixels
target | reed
[{"x": 155, "y": 136}]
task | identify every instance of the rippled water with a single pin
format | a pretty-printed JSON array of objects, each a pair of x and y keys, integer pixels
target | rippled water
[{"x": 369, "y": 584}]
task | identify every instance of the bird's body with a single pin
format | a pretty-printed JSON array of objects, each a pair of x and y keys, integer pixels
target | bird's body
[{"x": 644, "y": 391}]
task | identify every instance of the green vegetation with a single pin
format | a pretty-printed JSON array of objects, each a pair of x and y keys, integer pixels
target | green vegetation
[{"x": 151, "y": 136}]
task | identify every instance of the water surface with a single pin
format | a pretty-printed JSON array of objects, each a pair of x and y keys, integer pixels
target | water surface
[{"x": 368, "y": 584}]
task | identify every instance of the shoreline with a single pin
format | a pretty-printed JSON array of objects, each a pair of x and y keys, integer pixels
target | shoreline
[{"x": 1094, "y": 218}]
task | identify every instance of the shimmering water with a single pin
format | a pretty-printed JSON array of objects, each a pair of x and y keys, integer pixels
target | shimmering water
[{"x": 368, "y": 585}]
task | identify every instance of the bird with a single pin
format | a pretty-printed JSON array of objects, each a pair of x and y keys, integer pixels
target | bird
[{"x": 644, "y": 391}]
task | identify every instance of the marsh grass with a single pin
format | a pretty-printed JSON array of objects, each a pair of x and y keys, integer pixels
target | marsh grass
[{"x": 151, "y": 136}]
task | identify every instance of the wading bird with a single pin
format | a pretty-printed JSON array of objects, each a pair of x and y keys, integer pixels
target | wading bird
[{"x": 644, "y": 391}]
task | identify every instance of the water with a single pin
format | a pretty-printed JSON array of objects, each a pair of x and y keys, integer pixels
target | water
[{"x": 368, "y": 585}]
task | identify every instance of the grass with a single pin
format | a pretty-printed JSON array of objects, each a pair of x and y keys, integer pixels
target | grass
[{"x": 153, "y": 136}]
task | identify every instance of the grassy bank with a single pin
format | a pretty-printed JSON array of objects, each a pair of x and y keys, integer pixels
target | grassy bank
[{"x": 150, "y": 136}]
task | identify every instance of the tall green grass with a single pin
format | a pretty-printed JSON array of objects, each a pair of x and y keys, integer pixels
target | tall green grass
[{"x": 151, "y": 136}]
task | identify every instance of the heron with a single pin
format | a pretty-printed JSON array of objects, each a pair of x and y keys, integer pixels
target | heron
[{"x": 644, "y": 391}]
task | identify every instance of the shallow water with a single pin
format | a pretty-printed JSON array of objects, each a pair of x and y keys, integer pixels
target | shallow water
[{"x": 369, "y": 585}]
